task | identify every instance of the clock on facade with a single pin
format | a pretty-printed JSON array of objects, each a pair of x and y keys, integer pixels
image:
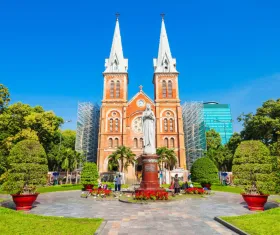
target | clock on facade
[{"x": 140, "y": 103}]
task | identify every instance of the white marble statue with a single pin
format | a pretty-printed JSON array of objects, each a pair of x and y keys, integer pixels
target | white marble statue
[{"x": 149, "y": 126}]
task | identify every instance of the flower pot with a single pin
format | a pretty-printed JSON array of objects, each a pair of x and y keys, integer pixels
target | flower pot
[
  {"x": 88, "y": 186},
  {"x": 206, "y": 185},
  {"x": 24, "y": 201},
  {"x": 255, "y": 202}
]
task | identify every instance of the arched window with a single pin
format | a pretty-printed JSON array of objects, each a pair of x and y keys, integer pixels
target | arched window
[
  {"x": 116, "y": 142},
  {"x": 117, "y": 125},
  {"x": 141, "y": 143},
  {"x": 166, "y": 142},
  {"x": 165, "y": 125},
  {"x": 135, "y": 143},
  {"x": 169, "y": 89},
  {"x": 112, "y": 88},
  {"x": 118, "y": 89},
  {"x": 171, "y": 125},
  {"x": 163, "y": 89},
  {"x": 110, "y": 142},
  {"x": 172, "y": 143},
  {"x": 111, "y": 125}
]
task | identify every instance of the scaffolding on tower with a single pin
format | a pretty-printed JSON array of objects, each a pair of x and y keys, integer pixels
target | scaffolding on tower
[
  {"x": 87, "y": 130},
  {"x": 194, "y": 131}
]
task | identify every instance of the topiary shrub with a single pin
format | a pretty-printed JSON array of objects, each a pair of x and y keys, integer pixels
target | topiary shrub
[
  {"x": 252, "y": 168},
  {"x": 89, "y": 175},
  {"x": 204, "y": 171},
  {"x": 28, "y": 168}
]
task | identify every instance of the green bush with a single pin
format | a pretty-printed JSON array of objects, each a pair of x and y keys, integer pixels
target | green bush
[
  {"x": 89, "y": 174},
  {"x": 28, "y": 167},
  {"x": 252, "y": 168},
  {"x": 204, "y": 171}
]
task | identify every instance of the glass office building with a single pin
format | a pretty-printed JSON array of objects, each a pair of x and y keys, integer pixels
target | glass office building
[{"x": 218, "y": 117}]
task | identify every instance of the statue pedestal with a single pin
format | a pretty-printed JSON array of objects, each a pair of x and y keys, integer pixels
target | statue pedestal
[{"x": 149, "y": 173}]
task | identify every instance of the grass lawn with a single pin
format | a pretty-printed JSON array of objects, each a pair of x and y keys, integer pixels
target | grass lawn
[
  {"x": 13, "y": 222},
  {"x": 47, "y": 189},
  {"x": 222, "y": 188},
  {"x": 261, "y": 223},
  {"x": 63, "y": 187}
]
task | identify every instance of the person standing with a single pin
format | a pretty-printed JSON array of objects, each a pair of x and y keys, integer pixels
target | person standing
[
  {"x": 176, "y": 184},
  {"x": 119, "y": 182},
  {"x": 115, "y": 183}
]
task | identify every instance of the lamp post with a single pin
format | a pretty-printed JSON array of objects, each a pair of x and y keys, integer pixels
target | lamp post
[{"x": 61, "y": 134}]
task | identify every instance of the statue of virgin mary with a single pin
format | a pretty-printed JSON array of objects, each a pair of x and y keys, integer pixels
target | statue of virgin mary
[{"x": 149, "y": 126}]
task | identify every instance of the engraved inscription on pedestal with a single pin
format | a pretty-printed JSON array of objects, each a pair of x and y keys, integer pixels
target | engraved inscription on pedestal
[
  {"x": 150, "y": 168},
  {"x": 150, "y": 160}
]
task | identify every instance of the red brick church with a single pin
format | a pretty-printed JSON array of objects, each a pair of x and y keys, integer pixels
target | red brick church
[{"x": 120, "y": 118}]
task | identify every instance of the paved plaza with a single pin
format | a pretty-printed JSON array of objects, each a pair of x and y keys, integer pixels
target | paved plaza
[{"x": 189, "y": 216}]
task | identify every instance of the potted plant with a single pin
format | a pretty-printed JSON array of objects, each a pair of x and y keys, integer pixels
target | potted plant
[
  {"x": 89, "y": 175},
  {"x": 252, "y": 169},
  {"x": 28, "y": 169},
  {"x": 204, "y": 172}
]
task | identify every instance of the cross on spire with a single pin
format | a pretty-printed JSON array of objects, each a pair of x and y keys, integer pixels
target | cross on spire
[
  {"x": 117, "y": 16},
  {"x": 140, "y": 87},
  {"x": 162, "y": 16}
]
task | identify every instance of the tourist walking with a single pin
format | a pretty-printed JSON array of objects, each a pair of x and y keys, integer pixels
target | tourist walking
[
  {"x": 119, "y": 182},
  {"x": 176, "y": 184}
]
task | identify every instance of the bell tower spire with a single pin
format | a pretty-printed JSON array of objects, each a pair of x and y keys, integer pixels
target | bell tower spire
[
  {"x": 164, "y": 63},
  {"x": 116, "y": 62}
]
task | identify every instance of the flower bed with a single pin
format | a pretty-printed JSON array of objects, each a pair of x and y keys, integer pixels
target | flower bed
[
  {"x": 151, "y": 195},
  {"x": 195, "y": 191},
  {"x": 101, "y": 192}
]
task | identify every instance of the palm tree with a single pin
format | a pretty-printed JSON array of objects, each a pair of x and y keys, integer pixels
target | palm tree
[
  {"x": 171, "y": 158},
  {"x": 66, "y": 161},
  {"x": 124, "y": 155},
  {"x": 113, "y": 162},
  {"x": 70, "y": 161},
  {"x": 166, "y": 156},
  {"x": 161, "y": 152}
]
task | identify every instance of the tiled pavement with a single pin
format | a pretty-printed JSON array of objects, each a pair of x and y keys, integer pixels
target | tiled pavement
[{"x": 190, "y": 216}]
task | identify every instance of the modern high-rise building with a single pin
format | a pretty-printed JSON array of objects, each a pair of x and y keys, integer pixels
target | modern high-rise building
[{"x": 218, "y": 117}]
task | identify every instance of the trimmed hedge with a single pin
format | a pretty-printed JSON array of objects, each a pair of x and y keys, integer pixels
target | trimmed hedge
[
  {"x": 204, "y": 171},
  {"x": 89, "y": 174},
  {"x": 28, "y": 167},
  {"x": 252, "y": 163}
]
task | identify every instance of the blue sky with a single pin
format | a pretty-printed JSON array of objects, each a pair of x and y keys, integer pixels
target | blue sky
[{"x": 52, "y": 52}]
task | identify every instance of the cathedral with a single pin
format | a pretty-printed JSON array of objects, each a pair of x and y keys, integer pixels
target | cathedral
[{"x": 120, "y": 118}]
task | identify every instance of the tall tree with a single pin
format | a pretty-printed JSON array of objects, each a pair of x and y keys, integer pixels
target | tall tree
[
  {"x": 234, "y": 141},
  {"x": 264, "y": 125},
  {"x": 124, "y": 155},
  {"x": 68, "y": 138},
  {"x": 213, "y": 139},
  {"x": 4, "y": 97},
  {"x": 21, "y": 121},
  {"x": 219, "y": 154}
]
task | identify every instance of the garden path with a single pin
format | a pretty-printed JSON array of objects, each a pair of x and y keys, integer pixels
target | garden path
[{"x": 190, "y": 216}]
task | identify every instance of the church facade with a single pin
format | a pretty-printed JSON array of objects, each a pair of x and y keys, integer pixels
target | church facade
[{"x": 120, "y": 118}]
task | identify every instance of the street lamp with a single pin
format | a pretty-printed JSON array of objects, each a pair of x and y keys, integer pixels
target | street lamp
[{"x": 61, "y": 133}]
